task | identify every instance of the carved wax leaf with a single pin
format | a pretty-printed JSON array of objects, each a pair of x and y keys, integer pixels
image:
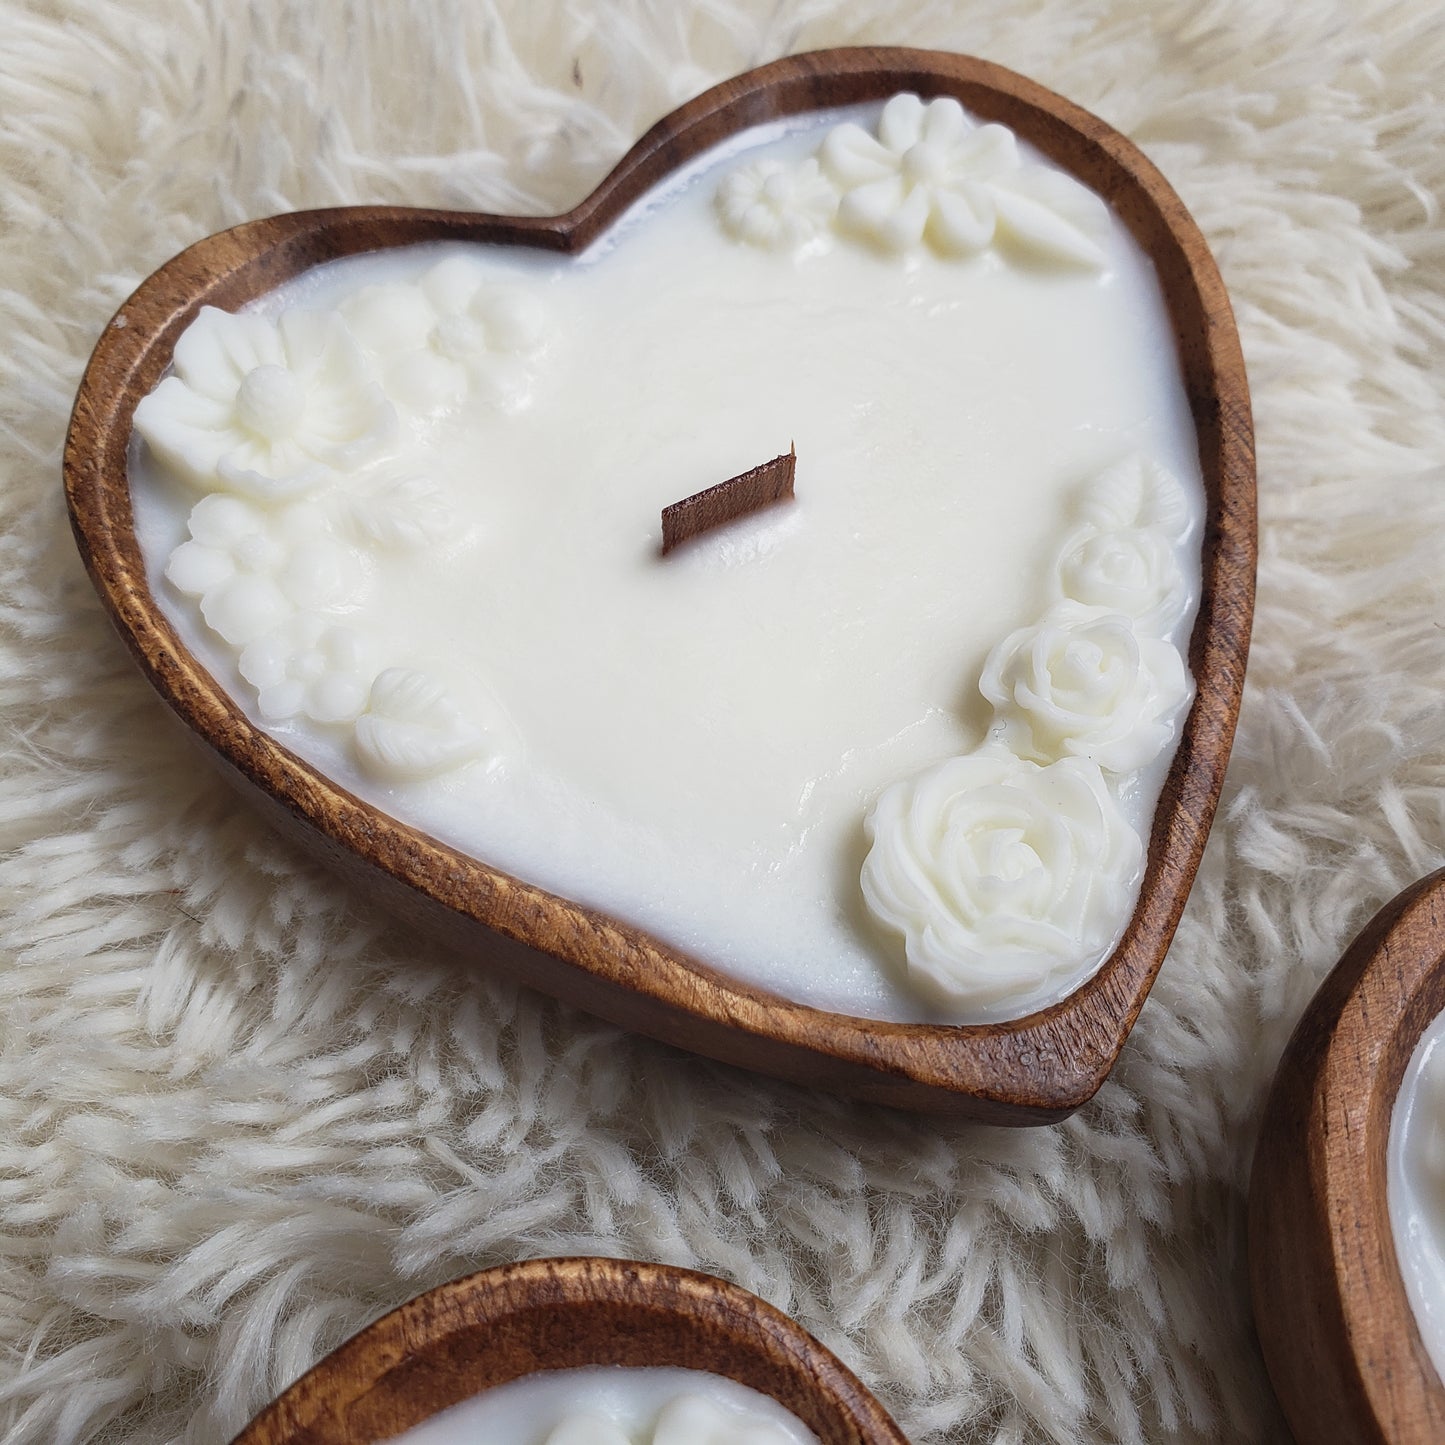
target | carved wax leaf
[
  {"x": 1137, "y": 492},
  {"x": 1051, "y": 216},
  {"x": 412, "y": 728},
  {"x": 406, "y": 511}
]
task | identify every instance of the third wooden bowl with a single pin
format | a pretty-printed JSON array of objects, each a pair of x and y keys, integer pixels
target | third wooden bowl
[{"x": 1338, "y": 1332}]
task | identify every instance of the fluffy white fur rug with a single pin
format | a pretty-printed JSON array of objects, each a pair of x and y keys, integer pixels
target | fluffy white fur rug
[{"x": 241, "y": 1113}]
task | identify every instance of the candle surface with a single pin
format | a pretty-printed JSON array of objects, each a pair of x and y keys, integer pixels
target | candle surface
[
  {"x": 891, "y": 748},
  {"x": 1415, "y": 1187},
  {"x": 615, "y": 1405}
]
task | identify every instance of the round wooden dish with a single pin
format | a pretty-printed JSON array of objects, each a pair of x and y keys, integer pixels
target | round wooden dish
[
  {"x": 558, "y": 1314},
  {"x": 1027, "y": 1071},
  {"x": 1339, "y": 1336}
]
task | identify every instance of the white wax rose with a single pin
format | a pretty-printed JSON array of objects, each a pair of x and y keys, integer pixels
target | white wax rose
[
  {"x": 268, "y": 409},
  {"x": 1134, "y": 571},
  {"x": 932, "y": 175},
  {"x": 1083, "y": 683},
  {"x": 999, "y": 874}
]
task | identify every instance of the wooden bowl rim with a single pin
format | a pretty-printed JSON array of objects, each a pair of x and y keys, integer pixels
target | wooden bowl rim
[
  {"x": 1321, "y": 1169},
  {"x": 1033, "y": 1069},
  {"x": 492, "y": 1298}
]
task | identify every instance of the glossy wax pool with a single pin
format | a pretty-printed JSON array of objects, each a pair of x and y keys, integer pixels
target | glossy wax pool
[{"x": 892, "y": 748}]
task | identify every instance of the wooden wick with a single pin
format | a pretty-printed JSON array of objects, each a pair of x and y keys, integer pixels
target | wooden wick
[{"x": 747, "y": 492}]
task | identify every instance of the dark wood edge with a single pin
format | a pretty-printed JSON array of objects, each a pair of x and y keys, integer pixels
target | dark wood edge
[
  {"x": 474, "y": 1333},
  {"x": 1032, "y": 1070},
  {"x": 1338, "y": 1333}
]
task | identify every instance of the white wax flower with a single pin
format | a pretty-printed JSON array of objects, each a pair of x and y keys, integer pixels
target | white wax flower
[
  {"x": 1134, "y": 571},
  {"x": 698, "y": 1420},
  {"x": 776, "y": 206},
  {"x": 309, "y": 667},
  {"x": 449, "y": 334},
  {"x": 1137, "y": 492},
  {"x": 999, "y": 874},
  {"x": 412, "y": 728},
  {"x": 252, "y": 568},
  {"x": 1084, "y": 684},
  {"x": 268, "y": 409},
  {"x": 931, "y": 174},
  {"x": 587, "y": 1429}
]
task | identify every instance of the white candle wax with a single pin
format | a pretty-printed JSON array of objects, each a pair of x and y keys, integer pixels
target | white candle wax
[
  {"x": 615, "y": 1405},
  {"x": 694, "y": 743},
  {"x": 1415, "y": 1187}
]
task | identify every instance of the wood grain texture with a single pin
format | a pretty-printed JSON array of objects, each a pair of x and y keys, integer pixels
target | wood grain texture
[
  {"x": 1029, "y": 1071},
  {"x": 489, "y": 1328},
  {"x": 1339, "y": 1336},
  {"x": 761, "y": 486}
]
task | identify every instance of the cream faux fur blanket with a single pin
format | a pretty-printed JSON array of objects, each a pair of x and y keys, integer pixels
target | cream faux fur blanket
[{"x": 242, "y": 1113}]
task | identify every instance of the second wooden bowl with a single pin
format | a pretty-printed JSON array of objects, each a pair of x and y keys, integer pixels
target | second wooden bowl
[
  {"x": 555, "y": 1314},
  {"x": 1338, "y": 1332}
]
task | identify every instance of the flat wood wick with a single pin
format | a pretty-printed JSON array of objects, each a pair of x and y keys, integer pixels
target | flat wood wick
[{"x": 747, "y": 492}]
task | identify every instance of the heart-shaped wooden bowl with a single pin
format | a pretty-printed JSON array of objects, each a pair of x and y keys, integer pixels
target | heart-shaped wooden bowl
[
  {"x": 560, "y": 1314},
  {"x": 1028, "y": 1071},
  {"x": 1339, "y": 1336}
]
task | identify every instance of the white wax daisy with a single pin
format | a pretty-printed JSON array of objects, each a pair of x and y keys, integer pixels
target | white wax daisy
[
  {"x": 776, "y": 206},
  {"x": 252, "y": 568},
  {"x": 309, "y": 667},
  {"x": 931, "y": 175},
  {"x": 449, "y": 335},
  {"x": 268, "y": 409}
]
